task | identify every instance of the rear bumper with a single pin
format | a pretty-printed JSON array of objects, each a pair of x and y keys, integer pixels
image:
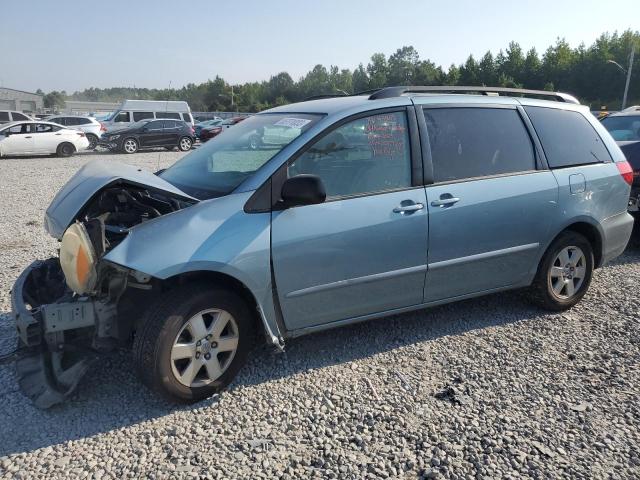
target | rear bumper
[{"x": 617, "y": 232}]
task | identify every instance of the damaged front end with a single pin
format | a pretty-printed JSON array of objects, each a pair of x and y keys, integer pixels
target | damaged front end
[{"x": 72, "y": 308}]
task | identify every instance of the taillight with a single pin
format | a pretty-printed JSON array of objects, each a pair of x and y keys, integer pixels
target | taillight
[
  {"x": 102, "y": 127},
  {"x": 626, "y": 171}
]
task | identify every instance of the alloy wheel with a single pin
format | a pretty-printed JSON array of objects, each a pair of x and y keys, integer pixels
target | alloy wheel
[
  {"x": 130, "y": 146},
  {"x": 185, "y": 144},
  {"x": 204, "y": 348},
  {"x": 567, "y": 272}
]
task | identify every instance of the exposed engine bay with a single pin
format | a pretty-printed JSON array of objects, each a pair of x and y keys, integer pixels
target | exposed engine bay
[{"x": 72, "y": 308}]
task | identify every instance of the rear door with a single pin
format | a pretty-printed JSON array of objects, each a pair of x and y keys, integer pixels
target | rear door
[
  {"x": 47, "y": 137},
  {"x": 364, "y": 249},
  {"x": 171, "y": 132},
  {"x": 491, "y": 202}
]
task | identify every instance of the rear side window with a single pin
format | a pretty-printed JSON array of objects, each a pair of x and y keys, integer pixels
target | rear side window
[
  {"x": 4, "y": 116},
  {"x": 477, "y": 142},
  {"x": 567, "y": 137},
  {"x": 157, "y": 125},
  {"x": 83, "y": 121},
  {"x": 168, "y": 115},
  {"x": 137, "y": 116},
  {"x": 72, "y": 121},
  {"x": 19, "y": 116}
]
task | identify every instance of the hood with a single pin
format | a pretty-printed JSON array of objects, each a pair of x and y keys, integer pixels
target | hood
[{"x": 92, "y": 178}]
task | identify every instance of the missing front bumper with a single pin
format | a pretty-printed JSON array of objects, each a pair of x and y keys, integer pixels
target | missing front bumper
[{"x": 49, "y": 369}]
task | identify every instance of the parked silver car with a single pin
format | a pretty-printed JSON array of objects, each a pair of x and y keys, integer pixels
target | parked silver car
[{"x": 89, "y": 125}]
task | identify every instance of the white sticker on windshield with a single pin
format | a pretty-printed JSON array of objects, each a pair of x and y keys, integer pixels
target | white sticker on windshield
[{"x": 292, "y": 122}]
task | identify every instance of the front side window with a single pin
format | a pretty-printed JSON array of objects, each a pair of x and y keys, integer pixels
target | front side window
[
  {"x": 623, "y": 128},
  {"x": 224, "y": 162},
  {"x": 121, "y": 117},
  {"x": 137, "y": 116},
  {"x": 156, "y": 125},
  {"x": 367, "y": 155},
  {"x": 567, "y": 137},
  {"x": 477, "y": 142}
]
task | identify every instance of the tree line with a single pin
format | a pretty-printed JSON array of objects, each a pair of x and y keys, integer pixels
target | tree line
[{"x": 586, "y": 72}]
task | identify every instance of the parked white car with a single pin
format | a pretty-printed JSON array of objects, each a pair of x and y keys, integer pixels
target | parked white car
[
  {"x": 7, "y": 116},
  {"x": 27, "y": 138},
  {"x": 92, "y": 127}
]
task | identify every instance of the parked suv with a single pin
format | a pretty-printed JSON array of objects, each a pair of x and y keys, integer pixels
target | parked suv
[
  {"x": 376, "y": 204},
  {"x": 624, "y": 127},
  {"x": 90, "y": 126},
  {"x": 7, "y": 116},
  {"x": 150, "y": 134}
]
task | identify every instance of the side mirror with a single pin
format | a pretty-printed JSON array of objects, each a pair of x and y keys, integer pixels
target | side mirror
[{"x": 303, "y": 190}]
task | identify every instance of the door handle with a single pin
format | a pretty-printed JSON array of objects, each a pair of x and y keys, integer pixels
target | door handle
[
  {"x": 27, "y": 137},
  {"x": 445, "y": 201},
  {"x": 414, "y": 207}
]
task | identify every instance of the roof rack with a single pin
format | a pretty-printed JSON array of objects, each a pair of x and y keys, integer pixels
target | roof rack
[
  {"x": 390, "y": 92},
  {"x": 326, "y": 95}
]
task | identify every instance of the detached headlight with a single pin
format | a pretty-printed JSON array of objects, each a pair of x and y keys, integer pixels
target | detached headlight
[
  {"x": 78, "y": 259},
  {"x": 114, "y": 137}
]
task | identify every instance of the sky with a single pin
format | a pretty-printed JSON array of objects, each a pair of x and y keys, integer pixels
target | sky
[{"x": 71, "y": 45}]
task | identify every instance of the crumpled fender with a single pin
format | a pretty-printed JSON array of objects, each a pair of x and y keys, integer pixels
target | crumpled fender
[{"x": 214, "y": 235}]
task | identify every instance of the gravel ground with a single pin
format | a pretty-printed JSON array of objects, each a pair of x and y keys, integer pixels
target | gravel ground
[{"x": 486, "y": 388}]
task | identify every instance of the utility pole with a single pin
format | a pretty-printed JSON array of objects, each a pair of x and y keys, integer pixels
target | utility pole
[
  {"x": 626, "y": 87},
  {"x": 232, "y": 93}
]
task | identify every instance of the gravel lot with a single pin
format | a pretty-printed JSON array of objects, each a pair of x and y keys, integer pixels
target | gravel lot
[{"x": 487, "y": 388}]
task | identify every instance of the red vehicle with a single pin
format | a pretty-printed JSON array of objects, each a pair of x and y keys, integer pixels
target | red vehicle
[{"x": 210, "y": 132}]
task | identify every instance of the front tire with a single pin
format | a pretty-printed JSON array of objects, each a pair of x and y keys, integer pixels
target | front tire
[
  {"x": 130, "y": 145},
  {"x": 193, "y": 342},
  {"x": 185, "y": 144},
  {"x": 564, "y": 273},
  {"x": 65, "y": 149}
]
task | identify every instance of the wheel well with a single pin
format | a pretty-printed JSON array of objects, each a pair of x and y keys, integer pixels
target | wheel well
[
  {"x": 592, "y": 234},
  {"x": 221, "y": 280}
]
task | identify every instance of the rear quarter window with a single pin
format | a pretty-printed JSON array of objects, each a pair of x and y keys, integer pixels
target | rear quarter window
[
  {"x": 4, "y": 116},
  {"x": 568, "y": 139},
  {"x": 187, "y": 117},
  {"x": 19, "y": 116}
]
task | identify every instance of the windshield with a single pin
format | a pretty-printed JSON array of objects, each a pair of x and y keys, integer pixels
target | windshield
[
  {"x": 623, "y": 128},
  {"x": 224, "y": 162}
]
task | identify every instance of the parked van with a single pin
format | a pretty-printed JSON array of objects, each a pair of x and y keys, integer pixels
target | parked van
[
  {"x": 371, "y": 205},
  {"x": 135, "y": 110}
]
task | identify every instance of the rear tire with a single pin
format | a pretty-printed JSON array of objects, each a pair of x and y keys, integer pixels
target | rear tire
[
  {"x": 130, "y": 145},
  {"x": 184, "y": 144},
  {"x": 65, "y": 149},
  {"x": 93, "y": 141},
  {"x": 564, "y": 273},
  {"x": 166, "y": 332}
]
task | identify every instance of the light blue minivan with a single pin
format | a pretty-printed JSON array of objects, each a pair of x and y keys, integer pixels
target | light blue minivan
[{"x": 375, "y": 204}]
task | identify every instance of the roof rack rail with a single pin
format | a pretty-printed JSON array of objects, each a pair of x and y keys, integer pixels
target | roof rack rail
[
  {"x": 326, "y": 95},
  {"x": 390, "y": 92}
]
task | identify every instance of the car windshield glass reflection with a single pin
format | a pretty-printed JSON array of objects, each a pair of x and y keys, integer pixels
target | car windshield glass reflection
[{"x": 219, "y": 166}]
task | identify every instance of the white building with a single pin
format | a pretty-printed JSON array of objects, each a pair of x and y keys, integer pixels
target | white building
[{"x": 27, "y": 102}]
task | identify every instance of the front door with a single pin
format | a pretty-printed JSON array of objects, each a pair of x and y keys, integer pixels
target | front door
[
  {"x": 364, "y": 249},
  {"x": 490, "y": 208},
  {"x": 18, "y": 140},
  {"x": 153, "y": 134}
]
